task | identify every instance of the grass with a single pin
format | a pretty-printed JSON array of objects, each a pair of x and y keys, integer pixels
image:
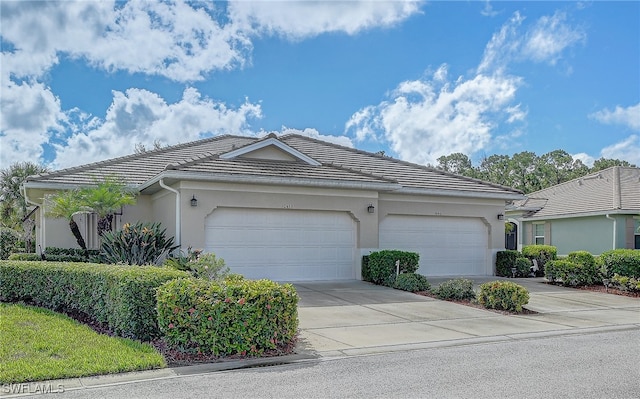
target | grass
[{"x": 37, "y": 344}]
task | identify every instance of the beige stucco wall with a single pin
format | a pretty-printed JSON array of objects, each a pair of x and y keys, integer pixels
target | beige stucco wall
[{"x": 160, "y": 207}]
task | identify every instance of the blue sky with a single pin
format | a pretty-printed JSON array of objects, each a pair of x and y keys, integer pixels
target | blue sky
[{"x": 86, "y": 81}]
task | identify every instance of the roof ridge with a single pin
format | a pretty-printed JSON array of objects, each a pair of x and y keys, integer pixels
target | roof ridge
[
  {"x": 359, "y": 171},
  {"x": 129, "y": 157},
  {"x": 403, "y": 162}
]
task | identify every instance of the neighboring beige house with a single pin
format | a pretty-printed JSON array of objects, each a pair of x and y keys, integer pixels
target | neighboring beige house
[
  {"x": 294, "y": 208},
  {"x": 595, "y": 213}
]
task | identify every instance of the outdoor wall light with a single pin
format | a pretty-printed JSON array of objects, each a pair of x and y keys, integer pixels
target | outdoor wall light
[
  {"x": 194, "y": 201},
  {"x": 371, "y": 208},
  {"x": 500, "y": 216}
]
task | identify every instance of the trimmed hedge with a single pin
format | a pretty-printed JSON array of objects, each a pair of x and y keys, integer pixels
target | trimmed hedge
[
  {"x": 123, "y": 297},
  {"x": 570, "y": 273},
  {"x": 503, "y": 295},
  {"x": 25, "y": 256},
  {"x": 505, "y": 260},
  {"x": 624, "y": 262},
  {"x": 366, "y": 273},
  {"x": 541, "y": 253},
  {"x": 236, "y": 316},
  {"x": 412, "y": 282},
  {"x": 382, "y": 265}
]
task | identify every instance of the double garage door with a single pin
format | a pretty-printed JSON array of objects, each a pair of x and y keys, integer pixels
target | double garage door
[
  {"x": 448, "y": 246},
  {"x": 283, "y": 245},
  {"x": 293, "y": 245}
]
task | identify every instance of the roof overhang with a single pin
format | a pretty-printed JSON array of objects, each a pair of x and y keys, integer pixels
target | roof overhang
[
  {"x": 581, "y": 215},
  {"x": 460, "y": 193},
  {"x": 170, "y": 177}
]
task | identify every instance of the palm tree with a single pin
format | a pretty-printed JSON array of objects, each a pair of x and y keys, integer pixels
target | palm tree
[
  {"x": 105, "y": 199},
  {"x": 64, "y": 205},
  {"x": 14, "y": 212}
]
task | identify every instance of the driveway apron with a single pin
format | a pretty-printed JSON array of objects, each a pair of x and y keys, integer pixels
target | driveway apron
[{"x": 339, "y": 318}]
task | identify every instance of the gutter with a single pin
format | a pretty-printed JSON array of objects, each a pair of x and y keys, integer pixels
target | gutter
[
  {"x": 40, "y": 236},
  {"x": 269, "y": 180},
  {"x": 615, "y": 229},
  {"x": 178, "y": 216}
]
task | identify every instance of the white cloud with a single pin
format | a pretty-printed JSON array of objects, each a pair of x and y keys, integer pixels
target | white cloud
[
  {"x": 140, "y": 116},
  {"x": 176, "y": 40},
  {"x": 629, "y": 116},
  {"x": 626, "y": 150},
  {"x": 29, "y": 112},
  {"x": 549, "y": 37},
  {"x": 585, "y": 158},
  {"x": 426, "y": 119},
  {"x": 301, "y": 19},
  {"x": 545, "y": 42}
]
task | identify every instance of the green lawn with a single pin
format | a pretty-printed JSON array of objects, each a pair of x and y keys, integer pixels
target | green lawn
[{"x": 37, "y": 344}]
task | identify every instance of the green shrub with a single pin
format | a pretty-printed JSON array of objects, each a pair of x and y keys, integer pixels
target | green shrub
[
  {"x": 505, "y": 260},
  {"x": 582, "y": 257},
  {"x": 123, "y": 297},
  {"x": 456, "y": 289},
  {"x": 624, "y": 262},
  {"x": 8, "y": 241},
  {"x": 235, "y": 316},
  {"x": 382, "y": 265},
  {"x": 200, "y": 265},
  {"x": 571, "y": 274},
  {"x": 541, "y": 254},
  {"x": 56, "y": 254},
  {"x": 25, "y": 257},
  {"x": 366, "y": 273},
  {"x": 623, "y": 283},
  {"x": 523, "y": 267},
  {"x": 138, "y": 244},
  {"x": 503, "y": 295},
  {"x": 412, "y": 282}
]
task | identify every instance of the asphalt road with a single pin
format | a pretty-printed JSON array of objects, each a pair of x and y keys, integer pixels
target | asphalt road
[{"x": 602, "y": 365}]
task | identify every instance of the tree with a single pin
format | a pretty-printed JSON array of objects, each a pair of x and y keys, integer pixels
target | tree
[
  {"x": 65, "y": 205},
  {"x": 523, "y": 172},
  {"x": 14, "y": 210},
  {"x": 604, "y": 163},
  {"x": 457, "y": 163},
  {"x": 558, "y": 166},
  {"x": 105, "y": 199},
  {"x": 496, "y": 169}
]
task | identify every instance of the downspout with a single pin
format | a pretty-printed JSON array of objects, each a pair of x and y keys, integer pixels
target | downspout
[
  {"x": 178, "y": 218},
  {"x": 615, "y": 229},
  {"x": 40, "y": 236}
]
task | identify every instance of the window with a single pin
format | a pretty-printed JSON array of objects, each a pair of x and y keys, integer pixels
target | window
[
  {"x": 637, "y": 234},
  {"x": 538, "y": 234}
]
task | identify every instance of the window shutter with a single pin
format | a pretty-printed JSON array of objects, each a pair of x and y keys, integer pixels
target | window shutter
[
  {"x": 547, "y": 234},
  {"x": 530, "y": 238}
]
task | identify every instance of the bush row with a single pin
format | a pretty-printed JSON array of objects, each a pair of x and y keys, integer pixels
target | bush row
[
  {"x": 522, "y": 261},
  {"x": 123, "y": 297},
  {"x": 625, "y": 262},
  {"x": 235, "y": 316}
]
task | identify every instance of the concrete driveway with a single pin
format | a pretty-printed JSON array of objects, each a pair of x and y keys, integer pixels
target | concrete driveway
[{"x": 355, "y": 317}]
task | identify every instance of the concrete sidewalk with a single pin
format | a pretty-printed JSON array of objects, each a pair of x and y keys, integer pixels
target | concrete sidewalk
[{"x": 354, "y": 317}]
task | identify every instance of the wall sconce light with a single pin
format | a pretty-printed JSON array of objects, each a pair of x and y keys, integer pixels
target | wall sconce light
[
  {"x": 500, "y": 216},
  {"x": 194, "y": 201},
  {"x": 371, "y": 208}
]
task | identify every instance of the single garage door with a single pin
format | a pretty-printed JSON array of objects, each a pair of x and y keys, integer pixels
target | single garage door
[
  {"x": 448, "y": 246},
  {"x": 283, "y": 245}
]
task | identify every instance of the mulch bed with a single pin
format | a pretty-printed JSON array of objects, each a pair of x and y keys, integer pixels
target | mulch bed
[
  {"x": 476, "y": 305},
  {"x": 614, "y": 291}
]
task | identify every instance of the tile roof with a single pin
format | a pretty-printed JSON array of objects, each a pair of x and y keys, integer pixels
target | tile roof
[
  {"x": 337, "y": 163},
  {"x": 613, "y": 189}
]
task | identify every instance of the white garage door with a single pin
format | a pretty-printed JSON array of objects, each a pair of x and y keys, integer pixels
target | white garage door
[
  {"x": 283, "y": 245},
  {"x": 447, "y": 246}
]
